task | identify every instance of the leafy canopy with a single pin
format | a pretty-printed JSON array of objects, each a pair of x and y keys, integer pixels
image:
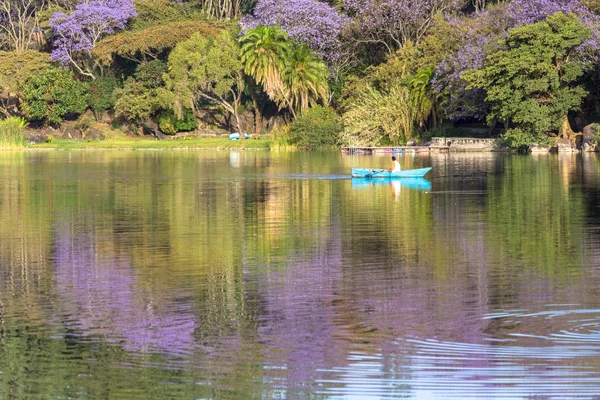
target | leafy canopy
[
  {"x": 152, "y": 41},
  {"x": 53, "y": 94},
  {"x": 205, "y": 69},
  {"x": 17, "y": 67},
  {"x": 531, "y": 82}
]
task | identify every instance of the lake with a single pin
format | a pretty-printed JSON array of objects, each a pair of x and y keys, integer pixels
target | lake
[{"x": 236, "y": 275}]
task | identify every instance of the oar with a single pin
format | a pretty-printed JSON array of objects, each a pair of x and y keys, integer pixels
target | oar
[{"x": 373, "y": 172}]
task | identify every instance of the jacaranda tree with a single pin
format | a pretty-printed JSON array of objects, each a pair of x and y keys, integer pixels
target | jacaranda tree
[{"x": 76, "y": 34}]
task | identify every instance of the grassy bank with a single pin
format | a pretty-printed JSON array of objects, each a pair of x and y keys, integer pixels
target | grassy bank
[{"x": 121, "y": 141}]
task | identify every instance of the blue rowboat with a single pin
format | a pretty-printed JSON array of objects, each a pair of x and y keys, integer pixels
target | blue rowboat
[{"x": 384, "y": 173}]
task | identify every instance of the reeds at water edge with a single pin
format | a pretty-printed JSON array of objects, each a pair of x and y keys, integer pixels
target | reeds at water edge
[{"x": 11, "y": 133}]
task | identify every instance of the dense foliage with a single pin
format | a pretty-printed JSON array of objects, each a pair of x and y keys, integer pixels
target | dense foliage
[
  {"x": 53, "y": 94},
  {"x": 205, "y": 69},
  {"x": 530, "y": 81},
  {"x": 316, "y": 128},
  {"x": 392, "y": 70}
]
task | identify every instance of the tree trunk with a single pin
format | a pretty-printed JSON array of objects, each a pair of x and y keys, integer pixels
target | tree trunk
[
  {"x": 565, "y": 131},
  {"x": 258, "y": 114}
]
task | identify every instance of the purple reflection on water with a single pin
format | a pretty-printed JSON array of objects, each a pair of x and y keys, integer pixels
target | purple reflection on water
[
  {"x": 99, "y": 295},
  {"x": 299, "y": 318}
]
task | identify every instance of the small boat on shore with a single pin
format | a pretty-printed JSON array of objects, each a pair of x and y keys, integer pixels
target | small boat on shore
[{"x": 384, "y": 173}]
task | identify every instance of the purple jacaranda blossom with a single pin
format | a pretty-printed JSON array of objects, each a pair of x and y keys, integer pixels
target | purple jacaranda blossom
[
  {"x": 76, "y": 34},
  {"x": 313, "y": 23}
]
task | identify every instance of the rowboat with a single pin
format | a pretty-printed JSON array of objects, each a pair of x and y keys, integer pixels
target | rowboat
[{"x": 384, "y": 173}]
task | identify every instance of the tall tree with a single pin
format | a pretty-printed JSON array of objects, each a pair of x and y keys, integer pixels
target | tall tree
[
  {"x": 19, "y": 23},
  {"x": 305, "y": 79},
  {"x": 531, "y": 82},
  {"x": 205, "y": 69},
  {"x": 264, "y": 51}
]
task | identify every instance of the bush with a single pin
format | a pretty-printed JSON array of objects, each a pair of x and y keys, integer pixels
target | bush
[
  {"x": 316, "y": 128},
  {"x": 102, "y": 94},
  {"x": 282, "y": 137},
  {"x": 138, "y": 99},
  {"x": 151, "y": 73},
  {"x": 518, "y": 138},
  {"x": 170, "y": 124},
  {"x": 11, "y": 133},
  {"x": 53, "y": 94},
  {"x": 135, "y": 102}
]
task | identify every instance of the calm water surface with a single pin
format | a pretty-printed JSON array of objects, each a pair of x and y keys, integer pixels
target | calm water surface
[{"x": 236, "y": 275}]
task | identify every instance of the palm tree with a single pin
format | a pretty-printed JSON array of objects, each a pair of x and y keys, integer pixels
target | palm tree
[
  {"x": 422, "y": 97},
  {"x": 305, "y": 78},
  {"x": 264, "y": 51}
]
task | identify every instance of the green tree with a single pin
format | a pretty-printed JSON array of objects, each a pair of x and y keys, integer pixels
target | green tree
[
  {"x": 138, "y": 99},
  {"x": 531, "y": 82},
  {"x": 264, "y": 51},
  {"x": 53, "y": 94},
  {"x": 306, "y": 79},
  {"x": 205, "y": 69},
  {"x": 16, "y": 68}
]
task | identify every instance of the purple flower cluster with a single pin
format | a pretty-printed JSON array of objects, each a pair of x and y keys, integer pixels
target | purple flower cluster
[
  {"x": 77, "y": 33},
  {"x": 316, "y": 24}
]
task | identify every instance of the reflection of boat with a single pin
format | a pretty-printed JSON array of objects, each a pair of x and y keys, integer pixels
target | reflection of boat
[
  {"x": 416, "y": 183},
  {"x": 384, "y": 173}
]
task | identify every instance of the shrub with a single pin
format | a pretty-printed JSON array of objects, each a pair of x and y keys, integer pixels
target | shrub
[
  {"x": 521, "y": 139},
  {"x": 135, "y": 102},
  {"x": 316, "y": 128},
  {"x": 102, "y": 94},
  {"x": 151, "y": 73},
  {"x": 53, "y": 94},
  {"x": 83, "y": 123},
  {"x": 138, "y": 100},
  {"x": 11, "y": 133},
  {"x": 282, "y": 137},
  {"x": 170, "y": 124}
]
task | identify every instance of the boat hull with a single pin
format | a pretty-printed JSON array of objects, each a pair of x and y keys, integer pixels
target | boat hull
[{"x": 384, "y": 173}]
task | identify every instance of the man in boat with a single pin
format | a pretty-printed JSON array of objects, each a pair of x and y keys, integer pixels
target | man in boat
[{"x": 395, "y": 165}]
